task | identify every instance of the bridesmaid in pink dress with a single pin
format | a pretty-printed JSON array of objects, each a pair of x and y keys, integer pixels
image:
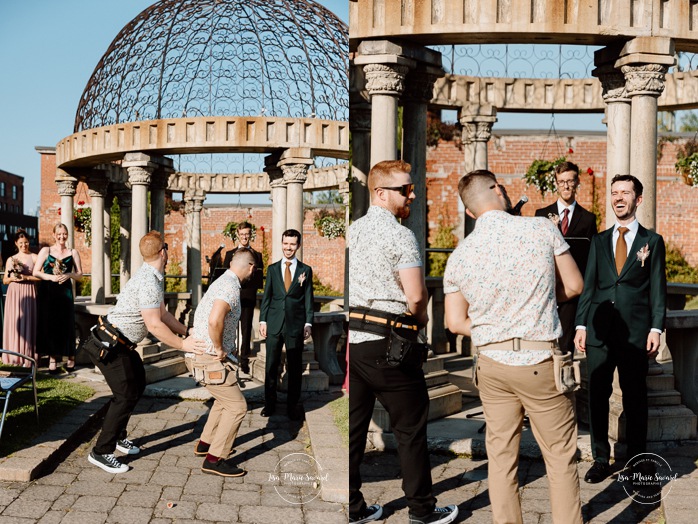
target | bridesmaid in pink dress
[{"x": 19, "y": 330}]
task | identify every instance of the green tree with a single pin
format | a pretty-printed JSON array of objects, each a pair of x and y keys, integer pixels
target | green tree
[{"x": 689, "y": 122}]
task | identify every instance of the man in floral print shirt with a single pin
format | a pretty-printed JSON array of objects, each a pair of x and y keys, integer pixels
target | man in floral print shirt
[
  {"x": 501, "y": 290},
  {"x": 386, "y": 280}
]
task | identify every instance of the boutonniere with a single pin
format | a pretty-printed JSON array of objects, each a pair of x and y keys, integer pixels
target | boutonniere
[
  {"x": 643, "y": 254},
  {"x": 554, "y": 218},
  {"x": 301, "y": 279}
]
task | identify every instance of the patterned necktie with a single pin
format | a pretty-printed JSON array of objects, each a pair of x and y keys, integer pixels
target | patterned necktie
[
  {"x": 621, "y": 249},
  {"x": 287, "y": 276},
  {"x": 565, "y": 221}
]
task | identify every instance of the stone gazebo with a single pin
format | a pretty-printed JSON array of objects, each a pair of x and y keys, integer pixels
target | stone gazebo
[
  {"x": 638, "y": 44},
  {"x": 203, "y": 97}
]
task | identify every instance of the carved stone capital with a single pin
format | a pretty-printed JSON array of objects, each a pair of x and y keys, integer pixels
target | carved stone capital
[
  {"x": 139, "y": 175},
  {"x": 360, "y": 119},
  {"x": 613, "y": 86},
  {"x": 194, "y": 201},
  {"x": 295, "y": 173},
  {"x": 97, "y": 187},
  {"x": 644, "y": 79},
  {"x": 382, "y": 79},
  {"x": 66, "y": 187},
  {"x": 476, "y": 131}
]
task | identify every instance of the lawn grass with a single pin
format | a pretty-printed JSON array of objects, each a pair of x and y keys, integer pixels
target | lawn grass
[
  {"x": 340, "y": 410},
  {"x": 56, "y": 398}
]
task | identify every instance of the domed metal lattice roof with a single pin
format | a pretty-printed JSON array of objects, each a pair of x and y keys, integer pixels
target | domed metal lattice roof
[{"x": 186, "y": 58}]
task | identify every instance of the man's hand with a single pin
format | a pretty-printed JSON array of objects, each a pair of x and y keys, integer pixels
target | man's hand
[
  {"x": 193, "y": 345},
  {"x": 220, "y": 354},
  {"x": 263, "y": 330},
  {"x": 580, "y": 340},
  {"x": 307, "y": 331},
  {"x": 652, "y": 344}
]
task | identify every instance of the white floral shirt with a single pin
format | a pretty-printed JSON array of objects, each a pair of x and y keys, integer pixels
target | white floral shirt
[
  {"x": 506, "y": 271},
  {"x": 379, "y": 247},
  {"x": 145, "y": 290},
  {"x": 226, "y": 288}
]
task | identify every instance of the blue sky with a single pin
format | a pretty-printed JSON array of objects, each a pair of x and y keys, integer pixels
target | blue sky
[{"x": 48, "y": 50}]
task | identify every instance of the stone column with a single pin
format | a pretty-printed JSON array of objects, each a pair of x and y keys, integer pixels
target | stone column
[
  {"x": 295, "y": 172},
  {"x": 109, "y": 197},
  {"x": 193, "y": 204},
  {"x": 618, "y": 134},
  {"x": 360, "y": 126},
  {"x": 419, "y": 90},
  {"x": 124, "y": 196},
  {"x": 384, "y": 83},
  {"x": 345, "y": 192},
  {"x": 477, "y": 125},
  {"x": 278, "y": 207},
  {"x": 139, "y": 179},
  {"x": 66, "y": 188},
  {"x": 97, "y": 191},
  {"x": 157, "y": 201}
]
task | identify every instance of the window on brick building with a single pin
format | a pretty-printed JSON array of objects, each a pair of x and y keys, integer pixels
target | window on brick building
[
  {"x": 14, "y": 192},
  {"x": 2, "y": 189}
]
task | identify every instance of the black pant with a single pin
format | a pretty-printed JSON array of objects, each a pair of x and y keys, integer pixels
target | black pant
[
  {"x": 632, "y": 364},
  {"x": 125, "y": 375},
  {"x": 403, "y": 393},
  {"x": 294, "y": 368},
  {"x": 246, "y": 316}
]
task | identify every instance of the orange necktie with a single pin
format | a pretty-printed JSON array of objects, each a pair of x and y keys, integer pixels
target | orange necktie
[
  {"x": 287, "y": 276},
  {"x": 621, "y": 249}
]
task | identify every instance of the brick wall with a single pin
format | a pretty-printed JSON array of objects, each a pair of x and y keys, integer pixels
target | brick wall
[{"x": 510, "y": 155}]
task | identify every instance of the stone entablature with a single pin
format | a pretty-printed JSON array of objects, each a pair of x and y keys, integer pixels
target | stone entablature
[
  {"x": 548, "y": 94},
  {"x": 203, "y": 135},
  {"x": 593, "y": 22}
]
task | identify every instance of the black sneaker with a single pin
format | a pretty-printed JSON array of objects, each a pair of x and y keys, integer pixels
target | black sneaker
[
  {"x": 108, "y": 463},
  {"x": 438, "y": 516},
  {"x": 128, "y": 447},
  {"x": 369, "y": 513},
  {"x": 222, "y": 468},
  {"x": 201, "y": 449}
]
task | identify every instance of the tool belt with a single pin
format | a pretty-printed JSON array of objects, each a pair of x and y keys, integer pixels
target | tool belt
[
  {"x": 208, "y": 370},
  {"x": 404, "y": 345},
  {"x": 565, "y": 369},
  {"x": 109, "y": 338}
]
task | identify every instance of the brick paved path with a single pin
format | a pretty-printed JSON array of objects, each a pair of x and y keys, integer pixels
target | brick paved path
[{"x": 165, "y": 484}]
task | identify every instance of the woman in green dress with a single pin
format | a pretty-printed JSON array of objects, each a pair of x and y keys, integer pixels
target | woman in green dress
[{"x": 56, "y": 266}]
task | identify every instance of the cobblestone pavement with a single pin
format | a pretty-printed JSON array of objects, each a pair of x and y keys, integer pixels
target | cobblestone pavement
[
  {"x": 463, "y": 482},
  {"x": 166, "y": 485}
]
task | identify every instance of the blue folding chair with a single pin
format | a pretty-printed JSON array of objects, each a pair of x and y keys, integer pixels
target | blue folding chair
[{"x": 16, "y": 380}]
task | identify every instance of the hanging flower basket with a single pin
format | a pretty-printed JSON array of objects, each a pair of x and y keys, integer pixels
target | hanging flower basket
[
  {"x": 541, "y": 174},
  {"x": 231, "y": 231},
  {"x": 687, "y": 167},
  {"x": 330, "y": 226},
  {"x": 82, "y": 220}
]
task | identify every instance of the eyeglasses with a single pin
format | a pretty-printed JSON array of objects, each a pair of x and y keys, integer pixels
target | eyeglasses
[
  {"x": 164, "y": 246},
  {"x": 566, "y": 183},
  {"x": 405, "y": 189}
]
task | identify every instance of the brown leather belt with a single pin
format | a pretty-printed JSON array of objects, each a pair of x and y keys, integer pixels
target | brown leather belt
[
  {"x": 387, "y": 322},
  {"x": 515, "y": 344}
]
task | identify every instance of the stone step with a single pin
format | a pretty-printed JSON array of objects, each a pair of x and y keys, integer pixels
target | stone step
[
  {"x": 162, "y": 355},
  {"x": 444, "y": 400},
  {"x": 660, "y": 382},
  {"x": 654, "y": 398},
  {"x": 665, "y": 423},
  {"x": 437, "y": 378},
  {"x": 163, "y": 369},
  {"x": 432, "y": 365}
]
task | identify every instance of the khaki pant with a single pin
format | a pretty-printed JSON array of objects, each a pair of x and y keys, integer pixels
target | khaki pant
[
  {"x": 507, "y": 392},
  {"x": 228, "y": 411}
]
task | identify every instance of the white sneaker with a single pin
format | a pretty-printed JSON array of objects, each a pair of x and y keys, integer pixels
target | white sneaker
[
  {"x": 108, "y": 463},
  {"x": 128, "y": 447},
  {"x": 370, "y": 513}
]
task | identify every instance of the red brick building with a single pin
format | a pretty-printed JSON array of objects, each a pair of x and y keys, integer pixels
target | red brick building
[{"x": 12, "y": 215}]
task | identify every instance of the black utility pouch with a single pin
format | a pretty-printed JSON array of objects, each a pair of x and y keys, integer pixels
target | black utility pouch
[{"x": 403, "y": 351}]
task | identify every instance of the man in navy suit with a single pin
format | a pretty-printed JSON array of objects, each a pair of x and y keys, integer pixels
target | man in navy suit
[
  {"x": 286, "y": 318},
  {"x": 620, "y": 318},
  {"x": 577, "y": 226}
]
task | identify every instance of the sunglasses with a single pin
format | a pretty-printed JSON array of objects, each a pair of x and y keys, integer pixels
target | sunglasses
[{"x": 405, "y": 189}]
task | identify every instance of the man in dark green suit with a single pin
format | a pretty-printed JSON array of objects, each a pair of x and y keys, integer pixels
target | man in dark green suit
[
  {"x": 620, "y": 317},
  {"x": 286, "y": 318}
]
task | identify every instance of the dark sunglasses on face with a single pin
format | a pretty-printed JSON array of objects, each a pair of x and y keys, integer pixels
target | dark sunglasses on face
[{"x": 405, "y": 189}]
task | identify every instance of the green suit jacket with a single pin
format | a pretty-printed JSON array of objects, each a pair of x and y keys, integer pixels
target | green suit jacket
[
  {"x": 287, "y": 312},
  {"x": 620, "y": 310}
]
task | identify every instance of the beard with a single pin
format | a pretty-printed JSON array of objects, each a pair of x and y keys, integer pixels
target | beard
[
  {"x": 627, "y": 212},
  {"x": 402, "y": 212}
]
